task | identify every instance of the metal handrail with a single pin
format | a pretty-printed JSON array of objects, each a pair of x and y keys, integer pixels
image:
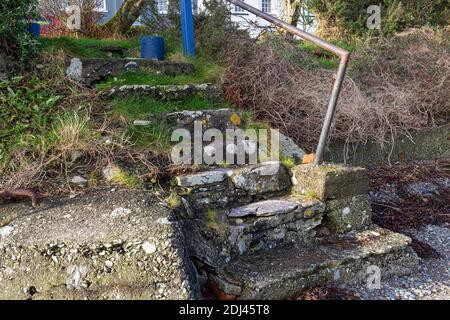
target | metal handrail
[{"x": 343, "y": 54}]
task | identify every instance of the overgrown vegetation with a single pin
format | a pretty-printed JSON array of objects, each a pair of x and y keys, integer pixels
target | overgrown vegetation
[
  {"x": 347, "y": 18},
  {"x": 52, "y": 129},
  {"x": 393, "y": 85}
]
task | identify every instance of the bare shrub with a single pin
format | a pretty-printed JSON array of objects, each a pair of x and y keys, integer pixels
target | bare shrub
[{"x": 393, "y": 86}]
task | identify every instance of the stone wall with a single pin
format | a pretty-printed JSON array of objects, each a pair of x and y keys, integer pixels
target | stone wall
[{"x": 426, "y": 144}]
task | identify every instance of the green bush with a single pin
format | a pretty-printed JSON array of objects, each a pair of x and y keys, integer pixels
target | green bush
[
  {"x": 17, "y": 44},
  {"x": 28, "y": 107},
  {"x": 217, "y": 36},
  {"x": 348, "y": 17}
]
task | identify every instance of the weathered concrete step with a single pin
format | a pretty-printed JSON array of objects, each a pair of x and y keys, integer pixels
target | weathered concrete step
[
  {"x": 90, "y": 70},
  {"x": 279, "y": 274},
  {"x": 223, "y": 187},
  {"x": 168, "y": 92},
  {"x": 102, "y": 245},
  {"x": 215, "y": 236}
]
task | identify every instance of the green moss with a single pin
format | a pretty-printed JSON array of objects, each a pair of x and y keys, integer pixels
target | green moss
[
  {"x": 288, "y": 162},
  {"x": 211, "y": 217},
  {"x": 311, "y": 195},
  {"x": 128, "y": 180},
  {"x": 174, "y": 200}
]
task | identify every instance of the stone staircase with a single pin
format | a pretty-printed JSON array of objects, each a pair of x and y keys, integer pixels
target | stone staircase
[
  {"x": 267, "y": 232},
  {"x": 264, "y": 231}
]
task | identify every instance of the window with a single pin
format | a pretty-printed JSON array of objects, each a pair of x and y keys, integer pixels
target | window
[
  {"x": 162, "y": 6},
  {"x": 238, "y": 9},
  {"x": 266, "y": 6}
]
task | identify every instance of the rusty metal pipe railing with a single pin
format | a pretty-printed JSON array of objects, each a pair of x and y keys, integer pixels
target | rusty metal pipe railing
[{"x": 343, "y": 54}]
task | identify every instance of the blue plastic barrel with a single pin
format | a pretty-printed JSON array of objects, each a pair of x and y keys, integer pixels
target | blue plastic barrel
[
  {"x": 35, "y": 29},
  {"x": 152, "y": 47}
]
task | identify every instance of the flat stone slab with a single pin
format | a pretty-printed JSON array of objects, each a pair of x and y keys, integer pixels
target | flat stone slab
[
  {"x": 263, "y": 209},
  {"x": 203, "y": 178},
  {"x": 283, "y": 273},
  {"x": 104, "y": 245}
]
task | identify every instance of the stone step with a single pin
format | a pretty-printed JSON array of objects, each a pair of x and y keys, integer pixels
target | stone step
[
  {"x": 225, "y": 187},
  {"x": 348, "y": 258},
  {"x": 91, "y": 70},
  {"x": 170, "y": 92},
  {"x": 216, "y": 236}
]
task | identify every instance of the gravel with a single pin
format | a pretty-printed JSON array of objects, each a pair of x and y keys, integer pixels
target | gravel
[{"x": 432, "y": 282}]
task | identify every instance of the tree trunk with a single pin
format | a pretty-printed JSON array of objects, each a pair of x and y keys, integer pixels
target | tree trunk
[
  {"x": 292, "y": 11},
  {"x": 128, "y": 13}
]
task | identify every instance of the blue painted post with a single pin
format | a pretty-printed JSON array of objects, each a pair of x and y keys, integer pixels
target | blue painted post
[{"x": 187, "y": 27}]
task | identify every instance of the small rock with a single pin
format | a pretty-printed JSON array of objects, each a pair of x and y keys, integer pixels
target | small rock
[
  {"x": 163, "y": 221},
  {"x": 120, "y": 212},
  {"x": 6, "y": 231},
  {"x": 76, "y": 155},
  {"x": 142, "y": 122},
  {"x": 131, "y": 67},
  {"x": 422, "y": 188},
  {"x": 148, "y": 247},
  {"x": 78, "y": 180},
  {"x": 109, "y": 264},
  {"x": 111, "y": 172}
]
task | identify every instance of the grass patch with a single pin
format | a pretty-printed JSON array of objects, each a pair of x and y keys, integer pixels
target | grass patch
[
  {"x": 135, "y": 106},
  {"x": 157, "y": 135},
  {"x": 322, "y": 57},
  {"x": 81, "y": 47},
  {"x": 127, "y": 179},
  {"x": 205, "y": 72}
]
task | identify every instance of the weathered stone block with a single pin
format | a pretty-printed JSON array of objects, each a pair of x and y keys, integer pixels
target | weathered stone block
[
  {"x": 222, "y": 188},
  {"x": 222, "y": 234},
  {"x": 94, "y": 69},
  {"x": 350, "y": 213},
  {"x": 329, "y": 181},
  {"x": 220, "y": 119}
]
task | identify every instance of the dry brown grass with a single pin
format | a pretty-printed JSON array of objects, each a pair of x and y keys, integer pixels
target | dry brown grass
[{"x": 394, "y": 85}]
